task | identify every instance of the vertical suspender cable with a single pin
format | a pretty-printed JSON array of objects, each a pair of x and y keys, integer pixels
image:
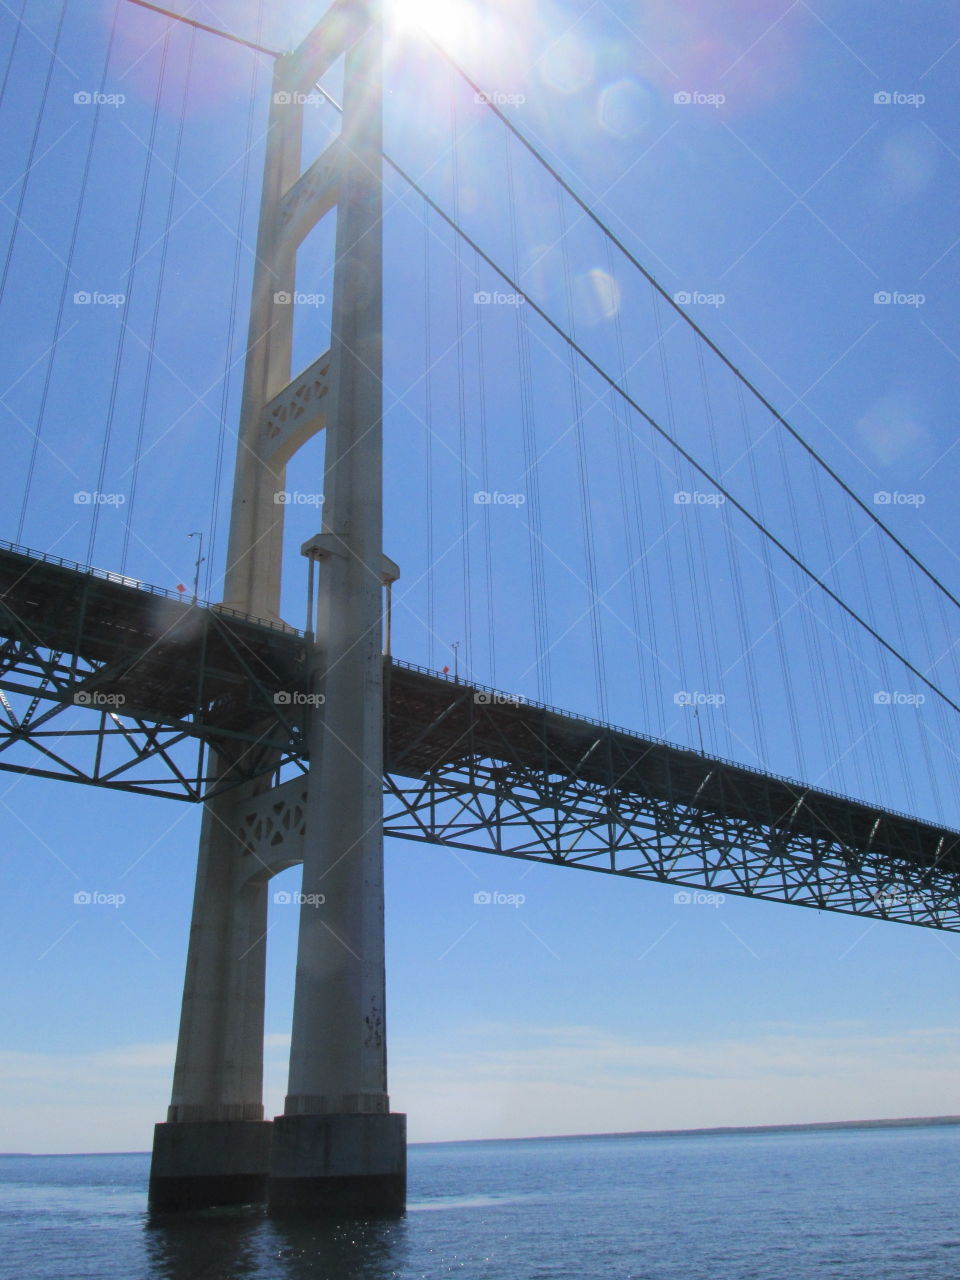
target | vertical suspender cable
[
  {"x": 428, "y": 441},
  {"x": 462, "y": 410},
  {"x": 232, "y": 321},
  {"x": 531, "y": 460},
  {"x": 583, "y": 478},
  {"x": 666, "y": 523},
  {"x": 32, "y": 153},
  {"x": 799, "y": 769},
  {"x": 862, "y": 701},
  {"x": 810, "y": 624},
  {"x": 822, "y": 675},
  {"x": 715, "y": 515},
  {"x": 155, "y": 320},
  {"x": 65, "y": 287},
  {"x": 13, "y": 51},
  {"x": 740, "y": 609},
  {"x": 632, "y": 508},
  {"x": 131, "y": 281},
  {"x": 485, "y": 481}
]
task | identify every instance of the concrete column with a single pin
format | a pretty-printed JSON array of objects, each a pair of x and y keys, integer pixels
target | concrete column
[
  {"x": 255, "y": 548},
  {"x": 219, "y": 1069},
  {"x": 337, "y": 1148},
  {"x": 214, "y": 1147}
]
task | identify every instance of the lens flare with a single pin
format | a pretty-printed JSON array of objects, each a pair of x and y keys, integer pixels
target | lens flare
[{"x": 442, "y": 19}]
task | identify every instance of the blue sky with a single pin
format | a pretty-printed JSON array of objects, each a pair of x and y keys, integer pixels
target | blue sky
[{"x": 780, "y": 212}]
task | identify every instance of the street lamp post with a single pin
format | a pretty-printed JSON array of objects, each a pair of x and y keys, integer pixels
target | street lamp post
[{"x": 200, "y": 560}]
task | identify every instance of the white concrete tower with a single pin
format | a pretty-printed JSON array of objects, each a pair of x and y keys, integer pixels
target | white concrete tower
[{"x": 337, "y": 1149}]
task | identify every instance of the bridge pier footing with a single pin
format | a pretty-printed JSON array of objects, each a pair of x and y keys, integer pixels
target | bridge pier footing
[
  {"x": 200, "y": 1164},
  {"x": 338, "y": 1166}
]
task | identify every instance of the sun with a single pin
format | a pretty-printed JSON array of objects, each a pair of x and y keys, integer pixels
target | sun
[{"x": 444, "y": 20}]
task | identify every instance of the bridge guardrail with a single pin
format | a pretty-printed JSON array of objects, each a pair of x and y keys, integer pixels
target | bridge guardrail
[{"x": 111, "y": 575}]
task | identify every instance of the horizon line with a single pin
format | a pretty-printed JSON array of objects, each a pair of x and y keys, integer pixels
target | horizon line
[{"x": 713, "y": 1130}]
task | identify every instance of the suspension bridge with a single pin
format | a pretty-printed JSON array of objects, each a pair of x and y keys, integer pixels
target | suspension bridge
[{"x": 657, "y": 542}]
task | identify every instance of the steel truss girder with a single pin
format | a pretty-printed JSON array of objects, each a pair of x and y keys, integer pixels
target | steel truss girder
[
  {"x": 486, "y": 807},
  {"x": 212, "y": 699},
  {"x": 120, "y": 733}
]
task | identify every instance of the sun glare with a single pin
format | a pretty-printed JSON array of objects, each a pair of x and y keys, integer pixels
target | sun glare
[{"x": 442, "y": 19}]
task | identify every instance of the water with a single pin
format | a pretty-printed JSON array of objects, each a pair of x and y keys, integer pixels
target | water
[{"x": 871, "y": 1203}]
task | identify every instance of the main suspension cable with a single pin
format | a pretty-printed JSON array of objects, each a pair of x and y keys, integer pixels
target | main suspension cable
[
  {"x": 490, "y": 102},
  {"x": 516, "y": 287},
  {"x": 203, "y": 26}
]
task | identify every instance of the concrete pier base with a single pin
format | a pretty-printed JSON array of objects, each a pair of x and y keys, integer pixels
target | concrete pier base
[
  {"x": 338, "y": 1166},
  {"x": 204, "y": 1163}
]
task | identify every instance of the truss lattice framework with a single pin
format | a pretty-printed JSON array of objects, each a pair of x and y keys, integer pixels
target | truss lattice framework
[
  {"x": 107, "y": 684},
  {"x": 165, "y": 685},
  {"x": 479, "y": 772},
  {"x": 597, "y": 829}
]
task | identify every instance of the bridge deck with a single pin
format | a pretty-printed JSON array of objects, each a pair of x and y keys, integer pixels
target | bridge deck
[
  {"x": 151, "y": 642},
  {"x": 434, "y": 724},
  {"x": 210, "y": 674}
]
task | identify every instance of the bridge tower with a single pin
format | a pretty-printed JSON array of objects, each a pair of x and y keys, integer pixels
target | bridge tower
[{"x": 337, "y": 1148}]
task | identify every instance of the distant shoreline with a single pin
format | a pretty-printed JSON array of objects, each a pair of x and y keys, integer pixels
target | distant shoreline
[{"x": 910, "y": 1122}]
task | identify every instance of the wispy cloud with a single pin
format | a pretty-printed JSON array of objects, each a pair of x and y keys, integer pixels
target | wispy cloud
[
  {"x": 506, "y": 1080},
  {"x": 561, "y": 1080}
]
